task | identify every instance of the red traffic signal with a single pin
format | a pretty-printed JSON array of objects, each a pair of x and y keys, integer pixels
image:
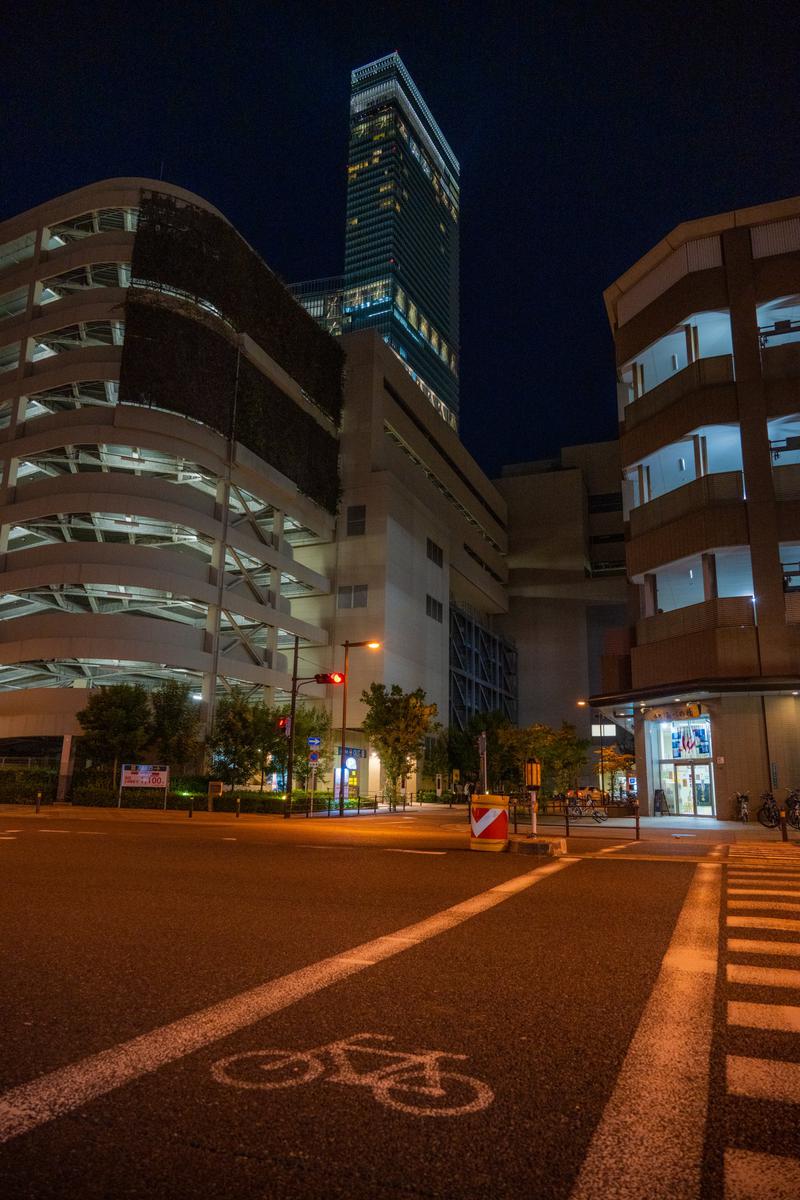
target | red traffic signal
[
  {"x": 334, "y": 677},
  {"x": 285, "y": 725}
]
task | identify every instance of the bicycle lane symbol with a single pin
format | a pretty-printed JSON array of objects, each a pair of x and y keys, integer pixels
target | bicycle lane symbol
[{"x": 410, "y": 1082}]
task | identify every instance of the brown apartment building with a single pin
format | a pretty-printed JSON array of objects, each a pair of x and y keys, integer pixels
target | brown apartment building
[{"x": 707, "y": 675}]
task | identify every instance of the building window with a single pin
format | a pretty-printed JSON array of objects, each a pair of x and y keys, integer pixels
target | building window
[
  {"x": 356, "y": 519},
  {"x": 435, "y": 553},
  {"x": 354, "y": 595},
  {"x": 434, "y": 608}
]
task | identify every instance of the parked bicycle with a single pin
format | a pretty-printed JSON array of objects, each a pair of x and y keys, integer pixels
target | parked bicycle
[
  {"x": 587, "y": 805},
  {"x": 769, "y": 814},
  {"x": 793, "y": 808},
  {"x": 742, "y": 806}
]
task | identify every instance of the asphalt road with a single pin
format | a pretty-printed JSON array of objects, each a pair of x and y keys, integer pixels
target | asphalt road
[{"x": 259, "y": 1008}]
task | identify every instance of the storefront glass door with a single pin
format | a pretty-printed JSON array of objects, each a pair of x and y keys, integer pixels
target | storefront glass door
[
  {"x": 703, "y": 798},
  {"x": 688, "y": 788}
]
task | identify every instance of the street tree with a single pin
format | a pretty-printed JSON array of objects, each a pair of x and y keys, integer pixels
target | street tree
[
  {"x": 396, "y": 724},
  {"x": 175, "y": 724},
  {"x": 500, "y": 762},
  {"x": 233, "y": 739},
  {"x": 560, "y": 751},
  {"x": 613, "y": 768},
  {"x": 270, "y": 741},
  {"x": 116, "y": 724}
]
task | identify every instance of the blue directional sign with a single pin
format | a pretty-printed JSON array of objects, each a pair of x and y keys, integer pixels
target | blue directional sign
[{"x": 314, "y": 741}]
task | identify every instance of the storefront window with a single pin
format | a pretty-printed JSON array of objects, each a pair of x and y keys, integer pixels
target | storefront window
[{"x": 682, "y": 768}]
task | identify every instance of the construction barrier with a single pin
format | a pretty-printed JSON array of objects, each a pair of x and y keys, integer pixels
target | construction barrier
[{"x": 489, "y": 823}]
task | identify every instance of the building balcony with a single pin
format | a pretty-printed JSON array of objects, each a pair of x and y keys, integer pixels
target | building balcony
[
  {"x": 712, "y": 640},
  {"x": 701, "y": 374},
  {"x": 781, "y": 362},
  {"x": 723, "y": 613},
  {"x": 701, "y": 495},
  {"x": 786, "y": 481}
]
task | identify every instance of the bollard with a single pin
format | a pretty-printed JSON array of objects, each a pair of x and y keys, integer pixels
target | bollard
[
  {"x": 566, "y": 819},
  {"x": 38, "y": 801},
  {"x": 636, "y": 816},
  {"x": 784, "y": 830},
  {"x": 191, "y": 806},
  {"x": 238, "y": 807},
  {"x": 515, "y": 815},
  {"x": 489, "y": 823}
]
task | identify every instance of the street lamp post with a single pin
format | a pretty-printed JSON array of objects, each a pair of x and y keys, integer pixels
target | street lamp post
[{"x": 347, "y": 646}]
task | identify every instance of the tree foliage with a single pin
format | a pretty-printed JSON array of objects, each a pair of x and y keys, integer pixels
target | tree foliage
[
  {"x": 561, "y": 752},
  {"x": 175, "y": 724},
  {"x": 233, "y": 740},
  {"x": 396, "y": 724},
  {"x": 116, "y": 724},
  {"x": 613, "y": 768}
]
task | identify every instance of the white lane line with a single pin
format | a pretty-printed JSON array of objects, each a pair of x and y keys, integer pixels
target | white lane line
[
  {"x": 785, "y": 1018},
  {"x": 763, "y": 1079},
  {"x": 325, "y": 846},
  {"x": 24, "y": 1108},
  {"x": 772, "y": 905},
  {"x": 668, "y": 1057},
  {"x": 746, "y": 946},
  {"x": 786, "y": 924},
  {"x": 763, "y": 976},
  {"x": 763, "y": 891},
  {"x": 12, "y": 831},
  {"x": 6, "y": 837},
  {"x": 397, "y": 850},
  {"x": 92, "y": 832},
  {"x": 54, "y": 831},
  {"x": 227, "y": 839},
  {"x": 612, "y": 849},
  {"x": 750, "y": 1176}
]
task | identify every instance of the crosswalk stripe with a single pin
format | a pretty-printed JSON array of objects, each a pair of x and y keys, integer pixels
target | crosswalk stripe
[
  {"x": 783, "y": 923},
  {"x": 751, "y": 1176},
  {"x": 785, "y": 1018},
  {"x": 763, "y": 976},
  {"x": 757, "y": 876},
  {"x": 754, "y": 946},
  {"x": 763, "y": 891},
  {"x": 772, "y": 905},
  {"x": 763, "y": 1079}
]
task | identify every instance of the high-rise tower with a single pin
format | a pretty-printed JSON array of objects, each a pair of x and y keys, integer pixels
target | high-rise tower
[{"x": 401, "y": 243}]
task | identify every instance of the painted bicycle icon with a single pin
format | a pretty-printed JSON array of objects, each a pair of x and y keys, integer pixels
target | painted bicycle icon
[{"x": 410, "y": 1082}]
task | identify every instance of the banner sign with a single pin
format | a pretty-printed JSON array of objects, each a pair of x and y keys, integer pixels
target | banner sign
[
  {"x": 351, "y": 752},
  {"x": 140, "y": 776}
]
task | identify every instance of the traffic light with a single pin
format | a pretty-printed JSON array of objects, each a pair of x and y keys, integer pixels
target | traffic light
[
  {"x": 334, "y": 677},
  {"x": 285, "y": 725}
]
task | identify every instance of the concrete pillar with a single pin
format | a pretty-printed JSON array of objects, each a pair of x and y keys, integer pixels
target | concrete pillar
[
  {"x": 66, "y": 767},
  {"x": 650, "y": 596},
  {"x": 700, "y": 447},
  {"x": 710, "y": 590},
  {"x": 774, "y": 643}
]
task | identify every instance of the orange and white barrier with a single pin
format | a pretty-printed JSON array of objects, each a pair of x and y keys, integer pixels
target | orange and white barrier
[{"x": 489, "y": 823}]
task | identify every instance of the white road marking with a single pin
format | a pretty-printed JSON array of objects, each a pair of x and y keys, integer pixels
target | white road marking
[
  {"x": 668, "y": 1058},
  {"x": 763, "y": 976},
  {"x": 763, "y": 891},
  {"x": 772, "y": 905},
  {"x": 326, "y": 846},
  {"x": 750, "y": 1176},
  {"x": 229, "y": 839},
  {"x": 12, "y": 831},
  {"x": 763, "y": 1079},
  {"x": 786, "y": 924},
  {"x": 785, "y": 1018},
  {"x": 25, "y": 1107},
  {"x": 611, "y": 849},
  {"x": 6, "y": 837},
  {"x": 397, "y": 850},
  {"x": 54, "y": 831},
  {"x": 746, "y": 946}
]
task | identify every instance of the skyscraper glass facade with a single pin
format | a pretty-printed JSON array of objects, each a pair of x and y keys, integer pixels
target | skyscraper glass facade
[{"x": 401, "y": 244}]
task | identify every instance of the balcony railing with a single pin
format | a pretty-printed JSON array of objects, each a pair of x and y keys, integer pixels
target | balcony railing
[
  {"x": 705, "y": 372},
  {"x": 781, "y": 362},
  {"x": 723, "y": 488},
  {"x": 723, "y": 613},
  {"x": 786, "y": 481}
]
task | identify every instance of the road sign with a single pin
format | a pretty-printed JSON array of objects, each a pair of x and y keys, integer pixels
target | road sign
[
  {"x": 314, "y": 741},
  {"x": 139, "y": 776},
  {"x": 313, "y": 756}
]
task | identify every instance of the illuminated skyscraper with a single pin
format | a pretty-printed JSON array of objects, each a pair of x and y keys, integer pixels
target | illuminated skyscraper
[{"x": 401, "y": 242}]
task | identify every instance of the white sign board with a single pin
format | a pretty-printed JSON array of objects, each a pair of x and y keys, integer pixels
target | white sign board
[{"x": 140, "y": 776}]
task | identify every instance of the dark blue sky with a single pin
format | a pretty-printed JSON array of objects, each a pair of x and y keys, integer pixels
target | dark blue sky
[{"x": 585, "y": 132}]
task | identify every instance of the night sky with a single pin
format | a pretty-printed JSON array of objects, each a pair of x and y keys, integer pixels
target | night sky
[{"x": 585, "y": 131}]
